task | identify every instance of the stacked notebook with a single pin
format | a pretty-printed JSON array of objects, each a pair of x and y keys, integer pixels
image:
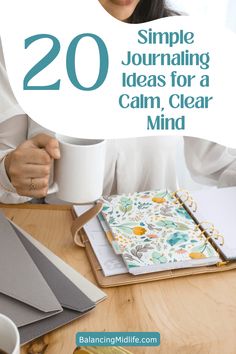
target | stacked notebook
[
  {"x": 156, "y": 231},
  {"x": 153, "y": 232},
  {"x": 38, "y": 291}
]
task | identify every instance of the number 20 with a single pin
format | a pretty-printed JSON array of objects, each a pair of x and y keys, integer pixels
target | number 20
[{"x": 70, "y": 62}]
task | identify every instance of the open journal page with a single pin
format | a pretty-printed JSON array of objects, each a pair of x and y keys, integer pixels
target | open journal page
[{"x": 218, "y": 206}]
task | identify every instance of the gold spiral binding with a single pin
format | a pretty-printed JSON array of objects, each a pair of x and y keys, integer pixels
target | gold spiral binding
[
  {"x": 212, "y": 232},
  {"x": 185, "y": 198},
  {"x": 206, "y": 228},
  {"x": 209, "y": 235},
  {"x": 218, "y": 235},
  {"x": 191, "y": 203}
]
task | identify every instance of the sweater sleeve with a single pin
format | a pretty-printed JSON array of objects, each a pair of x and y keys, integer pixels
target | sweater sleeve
[
  {"x": 12, "y": 133},
  {"x": 210, "y": 163}
]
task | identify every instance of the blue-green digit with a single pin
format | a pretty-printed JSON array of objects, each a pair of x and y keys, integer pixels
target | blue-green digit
[
  {"x": 43, "y": 63},
  {"x": 71, "y": 67}
]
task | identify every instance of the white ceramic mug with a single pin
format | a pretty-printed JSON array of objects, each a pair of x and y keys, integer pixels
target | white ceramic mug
[
  {"x": 79, "y": 173},
  {"x": 9, "y": 336}
]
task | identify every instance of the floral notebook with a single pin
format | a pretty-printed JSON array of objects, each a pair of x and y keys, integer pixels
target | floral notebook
[{"x": 154, "y": 232}]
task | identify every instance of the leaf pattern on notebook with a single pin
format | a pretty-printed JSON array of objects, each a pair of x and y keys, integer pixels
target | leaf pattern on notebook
[
  {"x": 177, "y": 238},
  {"x": 152, "y": 228},
  {"x": 125, "y": 205},
  {"x": 202, "y": 251}
]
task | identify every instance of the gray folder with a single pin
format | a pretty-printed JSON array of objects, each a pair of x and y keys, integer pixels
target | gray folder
[{"x": 33, "y": 292}]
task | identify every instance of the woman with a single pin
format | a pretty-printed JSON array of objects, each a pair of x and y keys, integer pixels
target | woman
[
  {"x": 132, "y": 164},
  {"x": 137, "y": 11}
]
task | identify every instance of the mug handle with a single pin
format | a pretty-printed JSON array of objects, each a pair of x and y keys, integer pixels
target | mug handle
[{"x": 81, "y": 220}]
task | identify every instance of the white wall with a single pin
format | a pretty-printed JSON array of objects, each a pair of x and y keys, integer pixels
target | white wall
[
  {"x": 231, "y": 15},
  {"x": 223, "y": 11}
]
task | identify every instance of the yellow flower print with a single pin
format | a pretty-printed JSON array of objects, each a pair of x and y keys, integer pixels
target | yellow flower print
[
  {"x": 196, "y": 255},
  {"x": 139, "y": 230},
  {"x": 158, "y": 200}
]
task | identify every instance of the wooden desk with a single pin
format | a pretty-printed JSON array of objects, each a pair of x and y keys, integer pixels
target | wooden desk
[{"x": 193, "y": 314}]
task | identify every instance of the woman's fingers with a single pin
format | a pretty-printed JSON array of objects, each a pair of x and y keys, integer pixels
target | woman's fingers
[
  {"x": 33, "y": 187},
  {"x": 29, "y": 166},
  {"x": 32, "y": 155},
  {"x": 32, "y": 184},
  {"x": 48, "y": 143},
  {"x": 24, "y": 162},
  {"x": 33, "y": 171}
]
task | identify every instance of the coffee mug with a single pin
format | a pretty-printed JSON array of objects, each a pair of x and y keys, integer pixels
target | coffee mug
[
  {"x": 79, "y": 173},
  {"x": 9, "y": 336}
]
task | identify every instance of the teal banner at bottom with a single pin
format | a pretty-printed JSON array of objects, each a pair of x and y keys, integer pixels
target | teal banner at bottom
[{"x": 115, "y": 339}]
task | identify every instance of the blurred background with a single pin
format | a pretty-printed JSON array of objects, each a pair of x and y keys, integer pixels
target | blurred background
[{"x": 224, "y": 13}]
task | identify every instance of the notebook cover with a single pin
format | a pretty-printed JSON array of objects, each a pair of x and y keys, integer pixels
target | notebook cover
[
  {"x": 75, "y": 304},
  {"x": 153, "y": 232},
  {"x": 20, "y": 278},
  {"x": 25, "y": 296},
  {"x": 89, "y": 289}
]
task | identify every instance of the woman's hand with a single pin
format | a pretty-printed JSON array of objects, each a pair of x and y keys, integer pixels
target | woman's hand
[{"x": 28, "y": 167}]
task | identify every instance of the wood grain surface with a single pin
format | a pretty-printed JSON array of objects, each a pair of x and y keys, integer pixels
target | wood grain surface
[{"x": 195, "y": 315}]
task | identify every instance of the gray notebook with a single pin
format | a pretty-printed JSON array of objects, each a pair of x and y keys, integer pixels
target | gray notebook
[{"x": 33, "y": 292}]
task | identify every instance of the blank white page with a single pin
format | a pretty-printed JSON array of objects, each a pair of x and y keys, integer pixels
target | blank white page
[{"x": 219, "y": 207}]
